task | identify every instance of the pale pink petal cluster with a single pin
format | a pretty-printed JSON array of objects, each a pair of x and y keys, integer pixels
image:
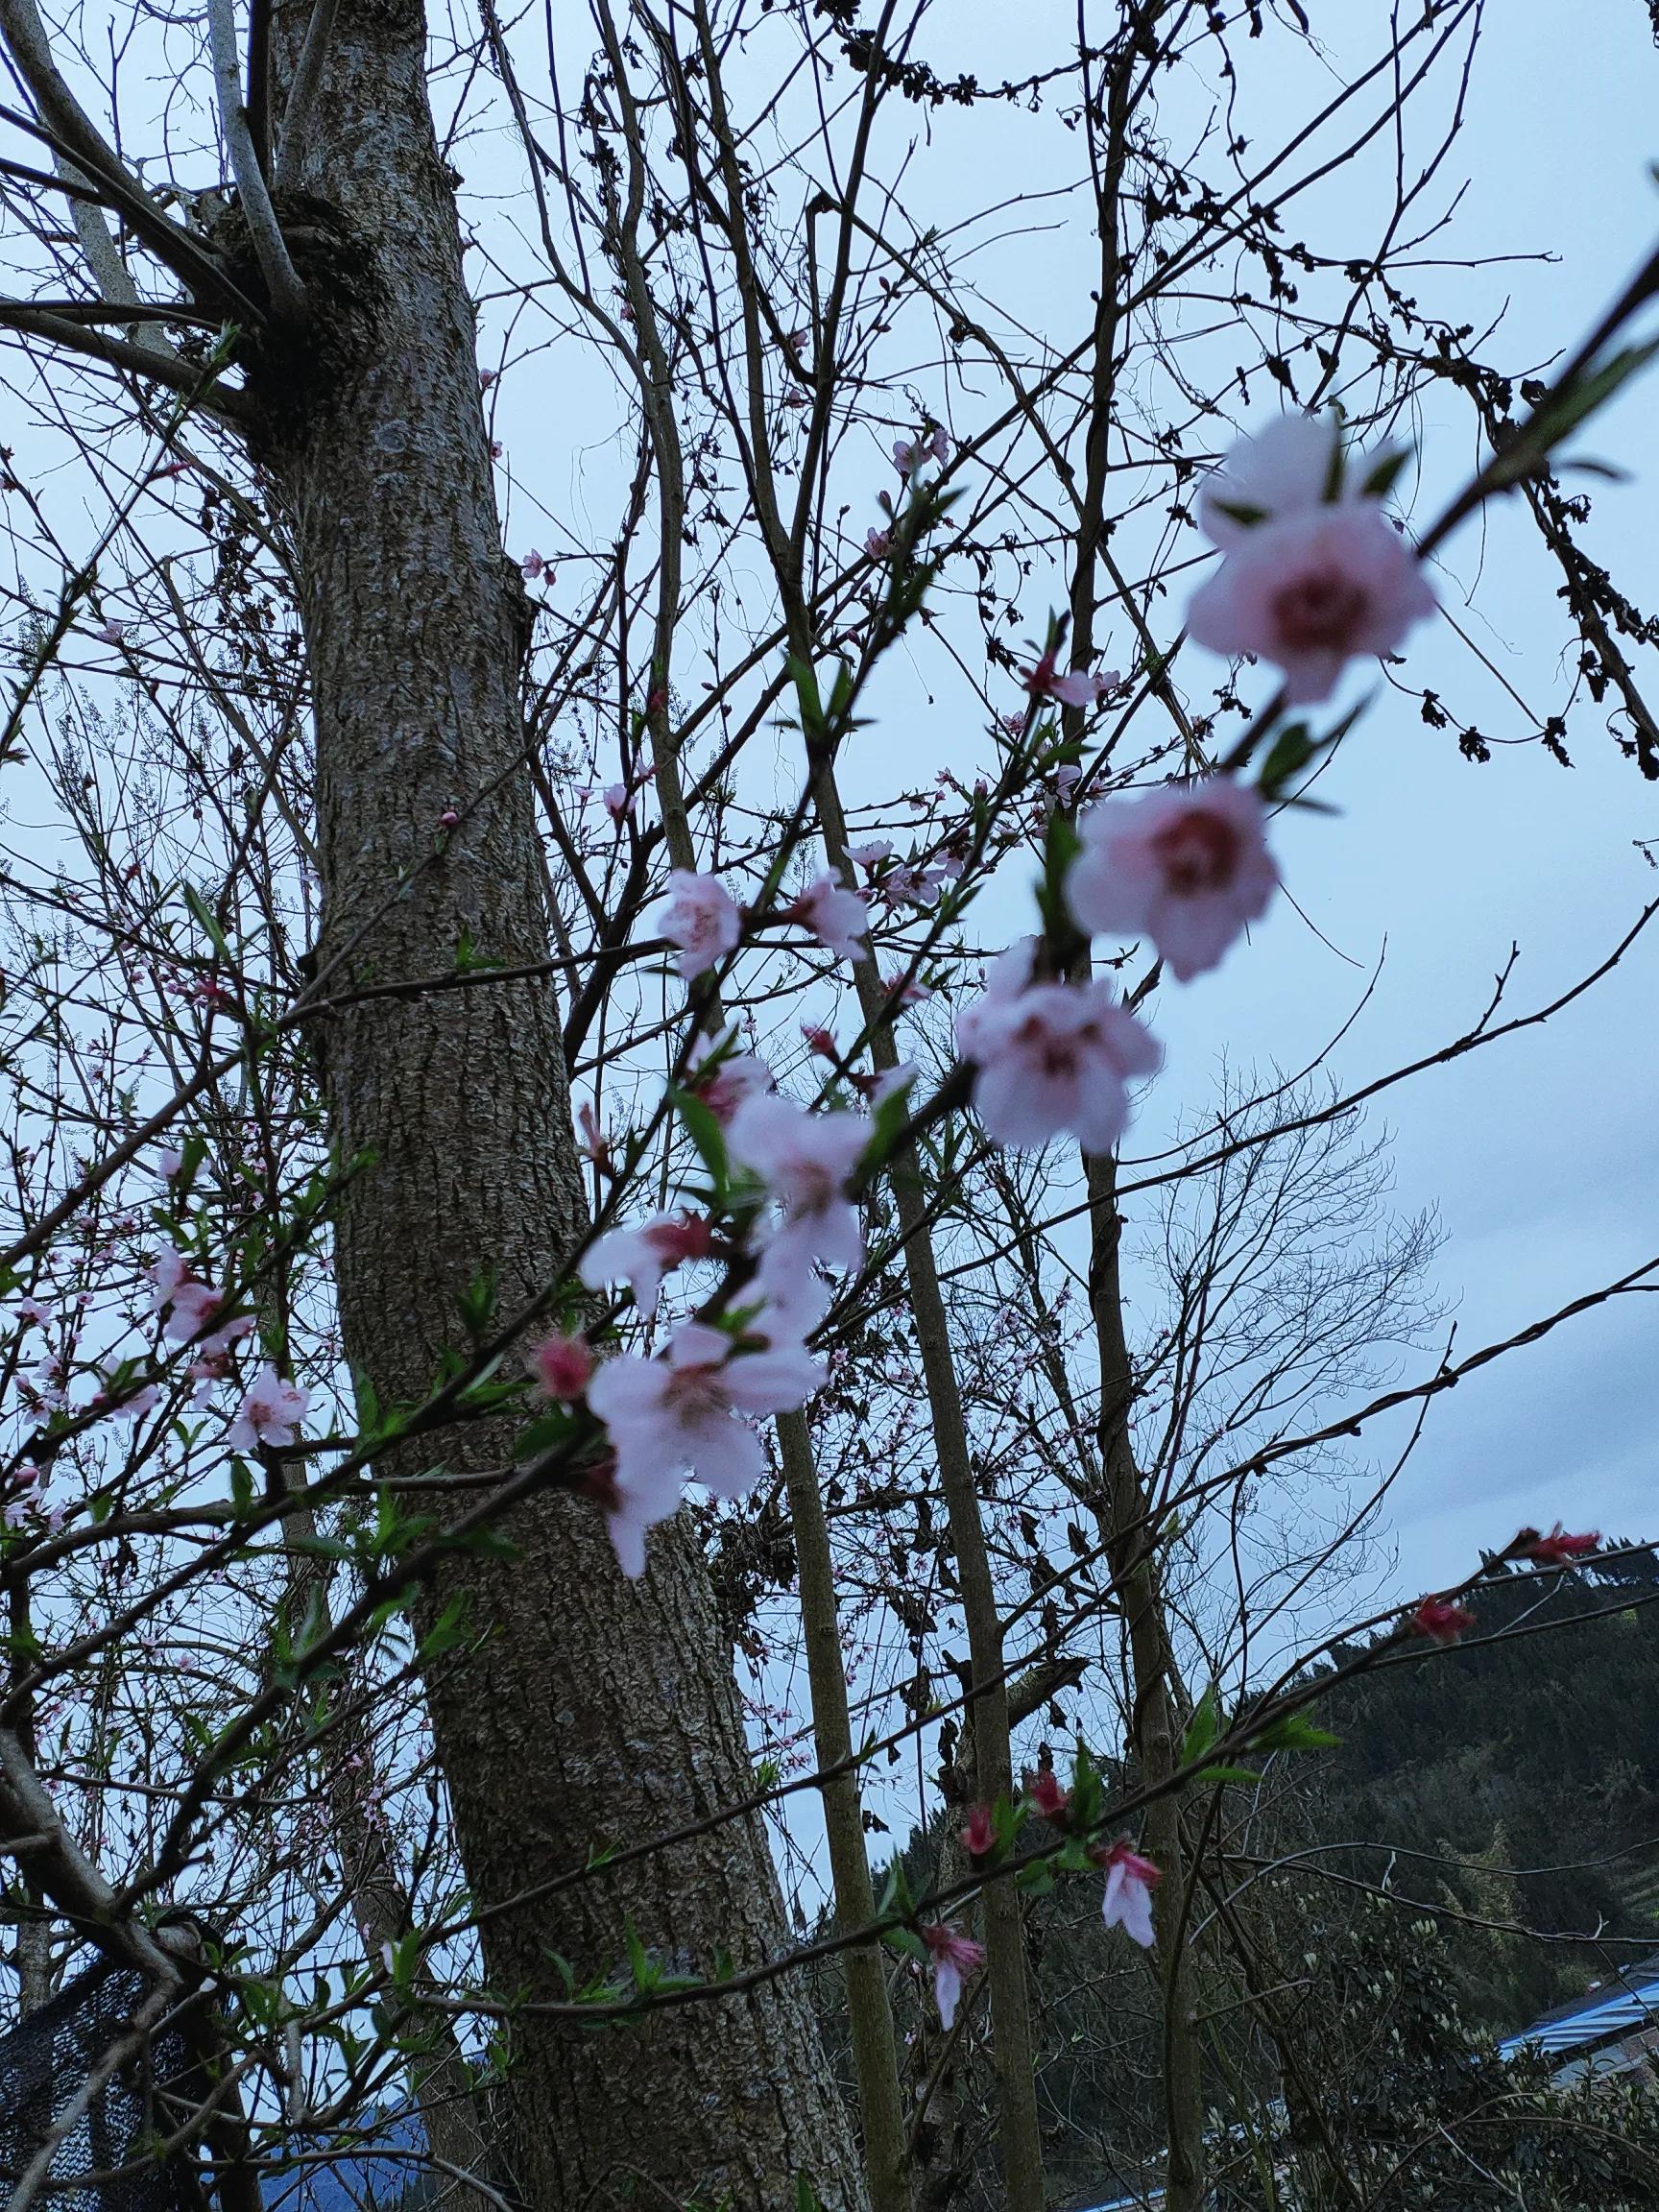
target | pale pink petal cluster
[
  {"x": 1313, "y": 576},
  {"x": 191, "y": 1306},
  {"x": 1188, "y": 867},
  {"x": 1127, "y": 1902},
  {"x": 733, "y": 1078},
  {"x": 952, "y": 1956},
  {"x": 702, "y": 918},
  {"x": 641, "y": 1257},
  {"x": 1287, "y": 468},
  {"x": 1052, "y": 1057},
  {"x": 804, "y": 1161},
  {"x": 271, "y": 1413},
  {"x": 909, "y": 454},
  {"x": 838, "y": 918},
  {"x": 683, "y": 1414},
  {"x": 1079, "y": 689}
]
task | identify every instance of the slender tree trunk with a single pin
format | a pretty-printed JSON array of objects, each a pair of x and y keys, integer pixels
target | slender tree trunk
[
  {"x": 875, "y": 2058},
  {"x": 591, "y": 1709},
  {"x": 1155, "y": 1725},
  {"x": 986, "y": 1715},
  {"x": 380, "y": 1900}
]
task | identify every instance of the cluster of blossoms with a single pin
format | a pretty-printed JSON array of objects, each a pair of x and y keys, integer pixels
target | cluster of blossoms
[
  {"x": 1312, "y": 575},
  {"x": 24, "y": 1501},
  {"x": 1314, "y": 572},
  {"x": 1443, "y": 1620},
  {"x": 686, "y": 1411},
  {"x": 1127, "y": 1901},
  {"x": 190, "y": 1309},
  {"x": 700, "y": 918}
]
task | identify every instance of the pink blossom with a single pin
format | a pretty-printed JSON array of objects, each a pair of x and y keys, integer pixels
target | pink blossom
[
  {"x": 1187, "y": 867},
  {"x": 838, "y": 918},
  {"x": 29, "y": 1313},
  {"x": 871, "y": 853},
  {"x": 953, "y": 1956},
  {"x": 803, "y": 1160},
  {"x": 191, "y": 1306},
  {"x": 618, "y": 802},
  {"x": 908, "y": 990},
  {"x": 1283, "y": 468},
  {"x": 1127, "y": 1904},
  {"x": 110, "y": 633},
  {"x": 535, "y": 568},
  {"x": 702, "y": 918},
  {"x": 723, "y": 1088},
  {"x": 939, "y": 445},
  {"x": 641, "y": 1257},
  {"x": 595, "y": 1144},
  {"x": 682, "y": 1413},
  {"x": 1045, "y": 1792},
  {"x": 1557, "y": 1548},
  {"x": 1077, "y": 689},
  {"x": 907, "y": 456},
  {"x": 1441, "y": 1621},
  {"x": 878, "y": 544},
  {"x": 979, "y": 1837},
  {"x": 168, "y": 1163},
  {"x": 1311, "y": 592},
  {"x": 562, "y": 1366},
  {"x": 135, "y": 1405},
  {"x": 450, "y": 819},
  {"x": 1052, "y": 1057},
  {"x": 270, "y": 1413}
]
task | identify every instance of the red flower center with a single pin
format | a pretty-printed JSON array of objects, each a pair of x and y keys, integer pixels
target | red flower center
[
  {"x": 695, "y": 1392},
  {"x": 1319, "y": 614},
  {"x": 1197, "y": 852}
]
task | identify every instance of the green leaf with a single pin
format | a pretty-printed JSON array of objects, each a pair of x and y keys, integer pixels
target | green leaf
[
  {"x": 206, "y": 922},
  {"x": 707, "y": 1133},
  {"x": 1385, "y": 472},
  {"x": 1202, "y": 1729},
  {"x": 1292, "y": 1732}
]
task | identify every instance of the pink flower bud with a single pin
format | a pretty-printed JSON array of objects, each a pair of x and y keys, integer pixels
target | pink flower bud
[
  {"x": 562, "y": 1366},
  {"x": 979, "y": 1837},
  {"x": 1438, "y": 1619},
  {"x": 1557, "y": 1548}
]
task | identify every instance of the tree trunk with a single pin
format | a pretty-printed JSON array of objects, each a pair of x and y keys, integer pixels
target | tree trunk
[
  {"x": 869, "y": 2014},
  {"x": 985, "y": 1720},
  {"x": 594, "y": 1709},
  {"x": 1154, "y": 1724}
]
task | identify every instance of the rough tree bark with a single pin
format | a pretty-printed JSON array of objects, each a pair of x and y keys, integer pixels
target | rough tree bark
[{"x": 594, "y": 1708}]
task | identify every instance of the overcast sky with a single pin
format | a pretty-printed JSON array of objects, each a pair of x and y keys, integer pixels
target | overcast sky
[{"x": 1539, "y": 1153}]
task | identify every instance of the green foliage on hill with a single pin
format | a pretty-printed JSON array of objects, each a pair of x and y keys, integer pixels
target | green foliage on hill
[{"x": 1514, "y": 1779}]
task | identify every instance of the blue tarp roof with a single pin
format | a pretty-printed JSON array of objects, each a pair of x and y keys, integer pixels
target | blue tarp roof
[{"x": 1600, "y": 2017}]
